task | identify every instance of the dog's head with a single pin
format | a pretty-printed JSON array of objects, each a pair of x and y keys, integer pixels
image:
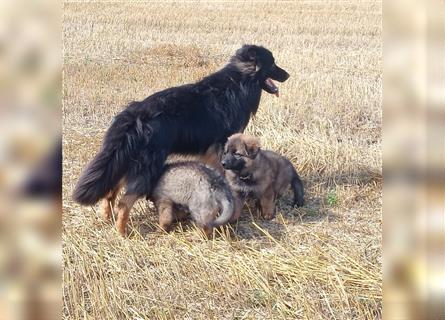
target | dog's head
[
  {"x": 259, "y": 62},
  {"x": 240, "y": 152}
]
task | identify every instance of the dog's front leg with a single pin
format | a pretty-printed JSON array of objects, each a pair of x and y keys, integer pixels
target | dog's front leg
[{"x": 267, "y": 204}]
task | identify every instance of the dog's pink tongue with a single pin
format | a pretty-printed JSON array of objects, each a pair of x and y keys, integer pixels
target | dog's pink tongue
[{"x": 272, "y": 86}]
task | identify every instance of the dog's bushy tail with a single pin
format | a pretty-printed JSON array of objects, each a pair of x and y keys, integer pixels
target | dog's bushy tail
[
  {"x": 227, "y": 209},
  {"x": 297, "y": 188},
  {"x": 110, "y": 165}
]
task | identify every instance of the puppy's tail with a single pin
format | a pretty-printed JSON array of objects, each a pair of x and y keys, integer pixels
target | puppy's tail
[
  {"x": 297, "y": 188},
  {"x": 110, "y": 165},
  {"x": 227, "y": 211}
]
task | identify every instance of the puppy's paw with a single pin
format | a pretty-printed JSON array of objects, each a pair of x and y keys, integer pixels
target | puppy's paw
[
  {"x": 268, "y": 215},
  {"x": 298, "y": 203}
]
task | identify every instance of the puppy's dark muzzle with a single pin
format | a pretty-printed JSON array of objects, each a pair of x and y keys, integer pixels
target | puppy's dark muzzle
[{"x": 232, "y": 164}]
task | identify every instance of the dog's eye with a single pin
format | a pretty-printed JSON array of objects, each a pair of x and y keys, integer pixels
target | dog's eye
[{"x": 237, "y": 155}]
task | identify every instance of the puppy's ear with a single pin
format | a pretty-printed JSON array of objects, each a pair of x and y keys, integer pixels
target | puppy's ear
[
  {"x": 252, "y": 147},
  {"x": 254, "y": 153}
]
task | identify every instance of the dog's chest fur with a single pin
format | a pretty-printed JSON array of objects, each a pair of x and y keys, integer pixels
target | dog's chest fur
[{"x": 243, "y": 186}]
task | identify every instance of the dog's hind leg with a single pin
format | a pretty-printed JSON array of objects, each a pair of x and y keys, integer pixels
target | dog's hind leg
[
  {"x": 123, "y": 212},
  {"x": 204, "y": 218},
  {"x": 166, "y": 215},
  {"x": 106, "y": 208},
  {"x": 108, "y": 203}
]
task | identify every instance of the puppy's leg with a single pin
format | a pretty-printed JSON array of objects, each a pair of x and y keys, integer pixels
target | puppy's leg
[
  {"x": 108, "y": 203},
  {"x": 123, "y": 212},
  {"x": 166, "y": 215},
  {"x": 208, "y": 231},
  {"x": 267, "y": 204},
  {"x": 180, "y": 215},
  {"x": 204, "y": 218},
  {"x": 238, "y": 208}
]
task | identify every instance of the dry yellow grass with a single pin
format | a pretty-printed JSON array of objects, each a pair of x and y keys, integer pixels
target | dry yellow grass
[{"x": 322, "y": 261}]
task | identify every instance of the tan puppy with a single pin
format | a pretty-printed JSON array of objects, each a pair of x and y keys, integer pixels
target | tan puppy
[{"x": 259, "y": 174}]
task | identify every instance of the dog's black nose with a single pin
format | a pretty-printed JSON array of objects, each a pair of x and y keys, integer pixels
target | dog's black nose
[{"x": 224, "y": 163}]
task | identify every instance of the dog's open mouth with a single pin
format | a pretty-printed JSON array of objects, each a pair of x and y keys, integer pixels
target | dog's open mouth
[{"x": 270, "y": 87}]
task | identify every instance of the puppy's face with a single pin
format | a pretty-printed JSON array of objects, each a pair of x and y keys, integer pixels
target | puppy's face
[{"x": 240, "y": 152}]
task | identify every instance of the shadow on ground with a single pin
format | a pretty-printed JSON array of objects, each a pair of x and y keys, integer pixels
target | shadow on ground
[
  {"x": 250, "y": 226},
  {"x": 360, "y": 176}
]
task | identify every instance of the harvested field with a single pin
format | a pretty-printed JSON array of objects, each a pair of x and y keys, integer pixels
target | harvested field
[{"x": 322, "y": 261}]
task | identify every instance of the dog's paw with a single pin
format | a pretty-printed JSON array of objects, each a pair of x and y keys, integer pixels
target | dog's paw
[
  {"x": 298, "y": 203},
  {"x": 268, "y": 215},
  {"x": 122, "y": 230}
]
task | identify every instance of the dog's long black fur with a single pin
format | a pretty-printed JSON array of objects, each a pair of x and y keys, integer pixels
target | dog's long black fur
[{"x": 185, "y": 119}]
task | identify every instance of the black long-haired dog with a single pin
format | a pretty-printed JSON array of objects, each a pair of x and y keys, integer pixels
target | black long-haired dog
[{"x": 187, "y": 119}]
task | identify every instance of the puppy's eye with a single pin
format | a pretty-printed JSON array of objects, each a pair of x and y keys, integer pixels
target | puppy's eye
[{"x": 237, "y": 155}]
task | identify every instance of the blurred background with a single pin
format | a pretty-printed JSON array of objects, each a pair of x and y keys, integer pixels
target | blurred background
[
  {"x": 30, "y": 160},
  {"x": 414, "y": 160}
]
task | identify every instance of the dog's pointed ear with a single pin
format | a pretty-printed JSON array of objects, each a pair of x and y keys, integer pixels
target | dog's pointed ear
[
  {"x": 254, "y": 153},
  {"x": 252, "y": 147},
  {"x": 252, "y": 56}
]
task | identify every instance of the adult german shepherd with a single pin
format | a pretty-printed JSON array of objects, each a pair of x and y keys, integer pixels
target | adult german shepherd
[{"x": 187, "y": 120}]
